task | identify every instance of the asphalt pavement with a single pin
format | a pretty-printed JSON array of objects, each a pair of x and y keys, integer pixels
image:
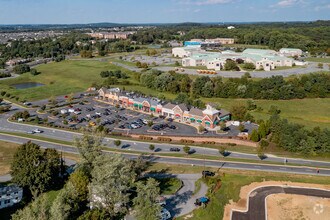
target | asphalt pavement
[
  {"x": 257, "y": 198},
  {"x": 141, "y": 146},
  {"x": 188, "y": 161}
]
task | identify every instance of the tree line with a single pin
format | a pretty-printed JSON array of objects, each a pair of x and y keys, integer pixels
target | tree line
[
  {"x": 311, "y": 36},
  {"x": 46, "y": 48},
  {"x": 316, "y": 85}
]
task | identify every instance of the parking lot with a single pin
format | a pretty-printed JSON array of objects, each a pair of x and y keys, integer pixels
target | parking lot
[
  {"x": 159, "y": 59},
  {"x": 86, "y": 111}
]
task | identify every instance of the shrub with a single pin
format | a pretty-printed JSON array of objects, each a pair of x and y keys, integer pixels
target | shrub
[
  {"x": 164, "y": 139},
  {"x": 145, "y": 138},
  {"x": 185, "y": 141}
]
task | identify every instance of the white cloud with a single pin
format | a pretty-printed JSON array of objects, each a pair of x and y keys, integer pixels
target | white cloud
[
  {"x": 287, "y": 3},
  {"x": 205, "y": 2}
]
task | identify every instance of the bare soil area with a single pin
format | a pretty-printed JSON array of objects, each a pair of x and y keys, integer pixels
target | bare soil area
[{"x": 294, "y": 207}]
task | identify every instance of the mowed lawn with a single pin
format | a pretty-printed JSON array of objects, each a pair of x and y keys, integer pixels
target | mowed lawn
[
  {"x": 59, "y": 79},
  {"x": 321, "y": 60},
  {"x": 308, "y": 112}
]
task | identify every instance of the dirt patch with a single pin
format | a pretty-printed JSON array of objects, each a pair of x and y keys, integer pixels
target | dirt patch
[
  {"x": 291, "y": 207},
  {"x": 245, "y": 190}
]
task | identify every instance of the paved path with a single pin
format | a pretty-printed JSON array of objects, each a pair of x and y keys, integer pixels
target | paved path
[
  {"x": 182, "y": 202},
  {"x": 256, "y": 204}
]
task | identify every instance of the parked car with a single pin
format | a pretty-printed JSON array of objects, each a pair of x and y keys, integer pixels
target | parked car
[
  {"x": 165, "y": 214},
  {"x": 175, "y": 149},
  {"x": 71, "y": 110},
  {"x": 207, "y": 173},
  {"x": 30, "y": 132}
]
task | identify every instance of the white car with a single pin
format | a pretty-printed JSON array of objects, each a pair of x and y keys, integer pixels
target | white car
[
  {"x": 37, "y": 131},
  {"x": 71, "y": 110},
  {"x": 77, "y": 113},
  {"x": 134, "y": 126},
  {"x": 145, "y": 121},
  {"x": 165, "y": 214},
  {"x": 98, "y": 113},
  {"x": 64, "y": 111}
]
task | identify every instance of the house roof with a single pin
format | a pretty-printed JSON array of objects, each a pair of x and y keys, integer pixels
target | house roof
[
  {"x": 169, "y": 106},
  {"x": 183, "y": 107},
  {"x": 196, "y": 111},
  {"x": 224, "y": 112}
]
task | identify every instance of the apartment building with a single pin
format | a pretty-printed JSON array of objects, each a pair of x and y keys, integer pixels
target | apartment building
[{"x": 10, "y": 195}]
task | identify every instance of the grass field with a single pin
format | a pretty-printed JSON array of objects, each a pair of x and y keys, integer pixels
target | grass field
[
  {"x": 308, "y": 112},
  {"x": 59, "y": 79},
  {"x": 321, "y": 60},
  {"x": 7, "y": 151}
]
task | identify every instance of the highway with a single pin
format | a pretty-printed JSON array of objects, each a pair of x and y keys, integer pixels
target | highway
[
  {"x": 188, "y": 161},
  {"x": 144, "y": 146}
]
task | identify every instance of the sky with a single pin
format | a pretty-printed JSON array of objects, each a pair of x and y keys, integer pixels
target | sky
[{"x": 160, "y": 11}]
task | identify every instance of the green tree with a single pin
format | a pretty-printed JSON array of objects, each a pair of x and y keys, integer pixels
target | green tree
[
  {"x": 80, "y": 180},
  {"x": 186, "y": 149},
  {"x": 238, "y": 111},
  {"x": 22, "y": 68},
  {"x": 254, "y": 136},
  {"x": 145, "y": 203},
  {"x": 151, "y": 147},
  {"x": 231, "y": 65},
  {"x": 261, "y": 153},
  {"x": 112, "y": 179},
  {"x": 201, "y": 129},
  {"x": 34, "y": 72},
  {"x": 223, "y": 151},
  {"x": 38, "y": 209},
  {"x": 35, "y": 170},
  {"x": 117, "y": 143},
  {"x": 249, "y": 66},
  {"x": 262, "y": 131},
  {"x": 65, "y": 204},
  {"x": 89, "y": 146}
]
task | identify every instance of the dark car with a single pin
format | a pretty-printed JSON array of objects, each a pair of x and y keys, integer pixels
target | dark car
[
  {"x": 207, "y": 173},
  {"x": 175, "y": 149},
  {"x": 172, "y": 127}
]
